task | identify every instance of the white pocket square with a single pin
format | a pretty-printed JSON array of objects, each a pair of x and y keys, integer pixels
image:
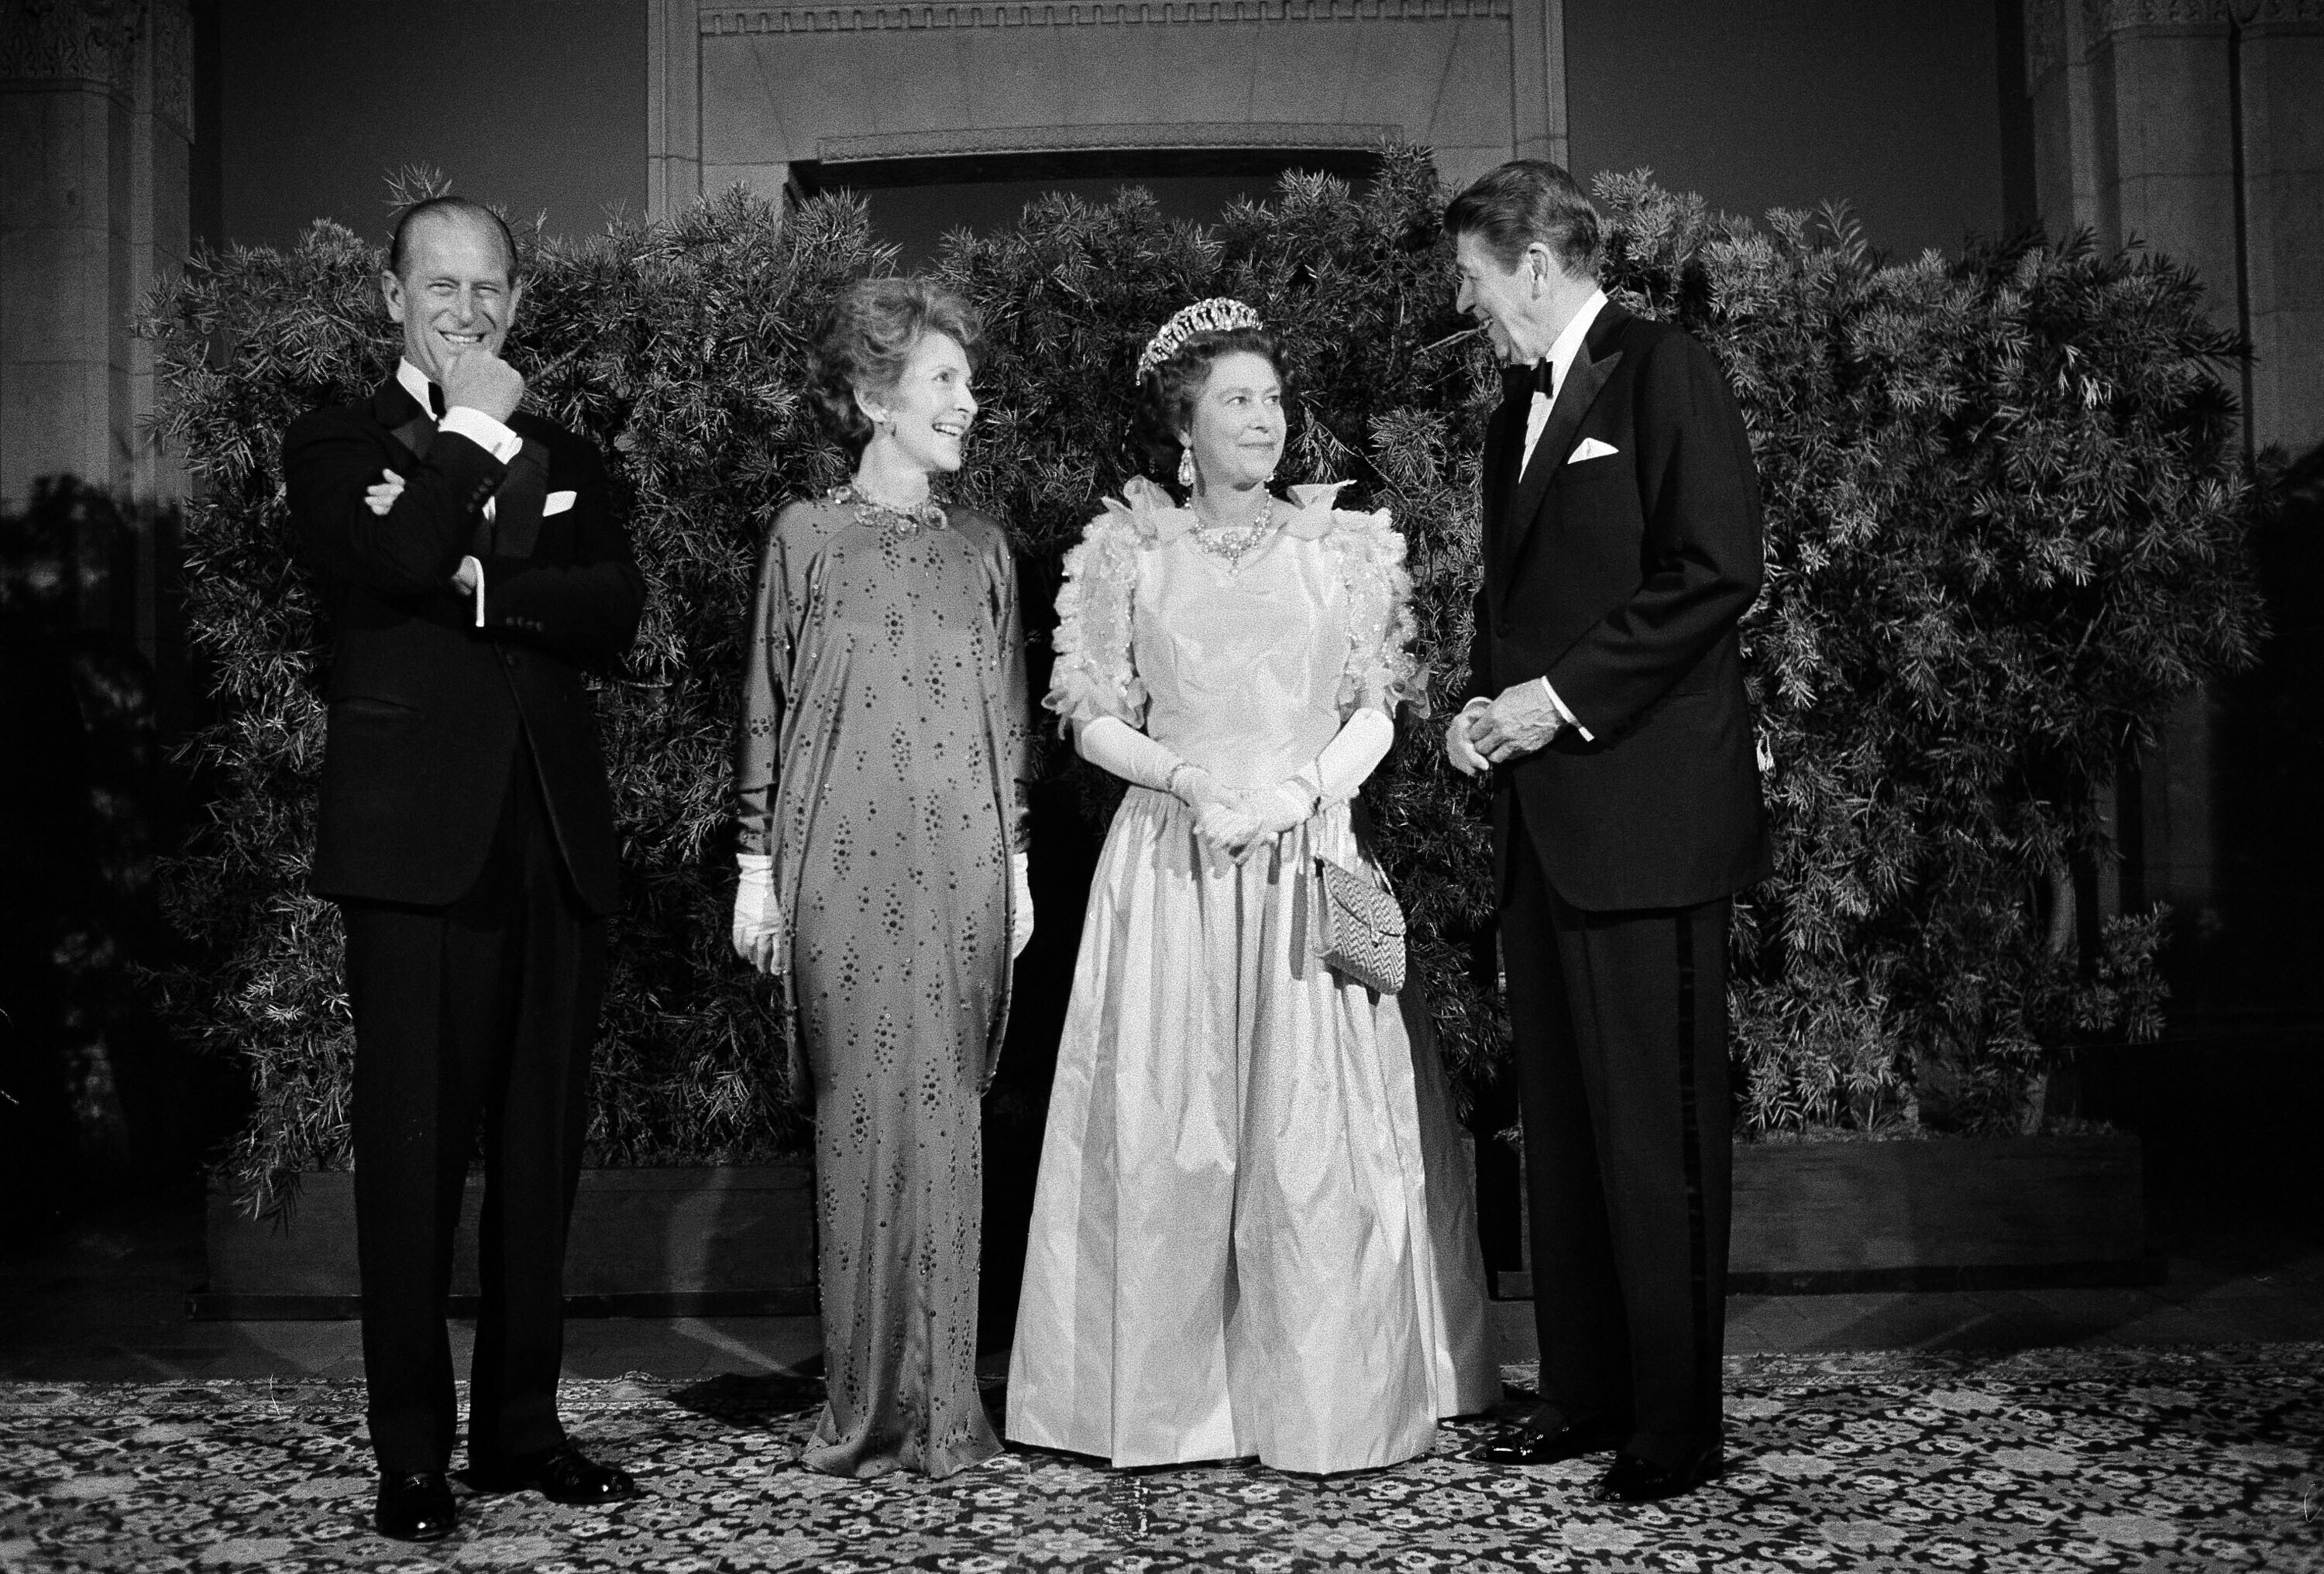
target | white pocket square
[
  {"x": 558, "y": 502},
  {"x": 1591, "y": 448}
]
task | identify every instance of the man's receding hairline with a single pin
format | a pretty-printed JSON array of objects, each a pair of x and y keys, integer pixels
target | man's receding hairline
[{"x": 477, "y": 217}]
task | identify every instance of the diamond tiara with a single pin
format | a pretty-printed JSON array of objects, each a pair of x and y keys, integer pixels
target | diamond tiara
[{"x": 1217, "y": 315}]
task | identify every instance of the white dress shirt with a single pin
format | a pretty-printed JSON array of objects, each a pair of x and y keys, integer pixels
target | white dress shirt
[
  {"x": 1562, "y": 352},
  {"x": 1561, "y": 362},
  {"x": 492, "y": 437}
]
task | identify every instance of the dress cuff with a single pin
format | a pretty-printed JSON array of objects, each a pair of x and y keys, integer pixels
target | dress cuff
[
  {"x": 475, "y": 567},
  {"x": 492, "y": 437}
]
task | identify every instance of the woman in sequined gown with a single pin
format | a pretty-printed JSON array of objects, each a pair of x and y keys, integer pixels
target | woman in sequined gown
[
  {"x": 878, "y": 786},
  {"x": 1251, "y": 1232}
]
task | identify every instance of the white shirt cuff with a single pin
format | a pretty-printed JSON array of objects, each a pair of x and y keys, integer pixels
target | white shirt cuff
[
  {"x": 476, "y": 567},
  {"x": 485, "y": 433},
  {"x": 1570, "y": 719}
]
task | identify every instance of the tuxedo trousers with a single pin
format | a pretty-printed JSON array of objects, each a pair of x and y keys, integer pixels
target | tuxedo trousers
[
  {"x": 473, "y": 1023},
  {"x": 1619, "y": 1023}
]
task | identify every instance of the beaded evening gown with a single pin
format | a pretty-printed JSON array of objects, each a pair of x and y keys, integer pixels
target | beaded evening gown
[
  {"x": 1251, "y": 1233},
  {"x": 881, "y": 765}
]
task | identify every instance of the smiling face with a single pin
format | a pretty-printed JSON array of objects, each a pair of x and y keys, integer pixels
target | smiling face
[
  {"x": 455, "y": 293},
  {"x": 925, "y": 416},
  {"x": 1236, "y": 427},
  {"x": 1508, "y": 303}
]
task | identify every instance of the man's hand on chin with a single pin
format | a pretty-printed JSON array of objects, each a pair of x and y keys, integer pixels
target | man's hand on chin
[
  {"x": 482, "y": 380},
  {"x": 1521, "y": 722}
]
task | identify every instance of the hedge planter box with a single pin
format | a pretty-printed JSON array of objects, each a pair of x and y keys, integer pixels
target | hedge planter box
[
  {"x": 1936, "y": 1214},
  {"x": 732, "y": 1241}
]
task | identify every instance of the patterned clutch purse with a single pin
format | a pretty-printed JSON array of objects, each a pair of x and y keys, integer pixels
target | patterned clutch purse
[{"x": 1358, "y": 928}]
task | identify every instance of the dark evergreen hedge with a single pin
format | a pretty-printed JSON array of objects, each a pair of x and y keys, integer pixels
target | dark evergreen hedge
[{"x": 2006, "y": 523}]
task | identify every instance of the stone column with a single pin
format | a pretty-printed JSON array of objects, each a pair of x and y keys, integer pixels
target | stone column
[
  {"x": 67, "y": 188},
  {"x": 2281, "y": 83},
  {"x": 95, "y": 137},
  {"x": 2194, "y": 127}
]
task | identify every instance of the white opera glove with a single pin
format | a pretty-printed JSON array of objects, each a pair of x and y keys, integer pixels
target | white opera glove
[
  {"x": 1282, "y": 808},
  {"x": 1330, "y": 778},
  {"x": 761, "y": 934},
  {"x": 1222, "y": 816},
  {"x": 1349, "y": 760},
  {"x": 1021, "y": 907},
  {"x": 1112, "y": 744}
]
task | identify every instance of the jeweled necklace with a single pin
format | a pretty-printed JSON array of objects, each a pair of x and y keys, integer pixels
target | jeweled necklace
[
  {"x": 1236, "y": 542},
  {"x": 887, "y": 518}
]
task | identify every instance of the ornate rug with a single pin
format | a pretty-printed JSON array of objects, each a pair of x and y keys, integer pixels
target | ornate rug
[{"x": 2049, "y": 1460}]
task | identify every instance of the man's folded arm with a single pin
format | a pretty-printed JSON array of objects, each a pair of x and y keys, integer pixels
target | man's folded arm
[{"x": 414, "y": 548}]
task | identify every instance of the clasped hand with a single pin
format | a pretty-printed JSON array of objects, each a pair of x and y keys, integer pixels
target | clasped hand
[
  {"x": 1489, "y": 732},
  {"x": 1240, "y": 821}
]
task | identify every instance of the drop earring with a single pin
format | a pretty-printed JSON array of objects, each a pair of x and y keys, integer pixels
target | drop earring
[{"x": 1187, "y": 468}]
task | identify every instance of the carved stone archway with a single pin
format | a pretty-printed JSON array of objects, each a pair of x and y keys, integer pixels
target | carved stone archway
[{"x": 741, "y": 94}]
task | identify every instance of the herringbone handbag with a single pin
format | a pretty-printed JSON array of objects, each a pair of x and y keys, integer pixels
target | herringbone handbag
[{"x": 1358, "y": 928}]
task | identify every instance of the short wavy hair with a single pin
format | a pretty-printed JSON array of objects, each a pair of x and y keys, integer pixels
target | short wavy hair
[
  {"x": 867, "y": 334},
  {"x": 1167, "y": 393},
  {"x": 1525, "y": 200}
]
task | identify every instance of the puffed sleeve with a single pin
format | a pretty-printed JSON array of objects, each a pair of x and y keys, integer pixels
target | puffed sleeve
[
  {"x": 767, "y": 647},
  {"x": 1381, "y": 672},
  {"x": 1094, "y": 673}
]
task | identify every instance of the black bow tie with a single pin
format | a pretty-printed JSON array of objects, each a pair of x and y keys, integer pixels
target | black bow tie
[
  {"x": 436, "y": 401},
  {"x": 1520, "y": 383}
]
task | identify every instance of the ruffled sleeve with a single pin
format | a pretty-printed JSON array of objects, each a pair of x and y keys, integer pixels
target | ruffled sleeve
[
  {"x": 1094, "y": 674},
  {"x": 1381, "y": 670}
]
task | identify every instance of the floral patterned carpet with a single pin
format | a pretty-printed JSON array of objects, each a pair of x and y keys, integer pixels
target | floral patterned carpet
[{"x": 2065, "y": 1459}]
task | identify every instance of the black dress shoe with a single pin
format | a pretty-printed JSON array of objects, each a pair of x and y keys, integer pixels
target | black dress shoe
[
  {"x": 1636, "y": 1480},
  {"x": 417, "y": 1507},
  {"x": 563, "y": 1474},
  {"x": 1533, "y": 1445}
]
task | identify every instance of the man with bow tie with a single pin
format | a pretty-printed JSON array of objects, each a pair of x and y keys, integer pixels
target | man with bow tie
[
  {"x": 1621, "y": 546},
  {"x": 470, "y": 560}
]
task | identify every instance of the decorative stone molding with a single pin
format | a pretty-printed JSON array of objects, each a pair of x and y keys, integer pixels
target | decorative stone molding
[
  {"x": 1046, "y": 139},
  {"x": 2104, "y": 18},
  {"x": 730, "y": 20},
  {"x": 2300, "y": 16},
  {"x": 91, "y": 40}
]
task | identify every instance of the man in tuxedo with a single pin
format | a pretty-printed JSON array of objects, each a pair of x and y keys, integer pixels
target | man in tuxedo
[
  {"x": 470, "y": 559},
  {"x": 1621, "y": 544}
]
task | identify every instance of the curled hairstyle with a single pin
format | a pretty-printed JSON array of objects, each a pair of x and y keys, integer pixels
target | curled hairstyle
[
  {"x": 1527, "y": 200},
  {"x": 1167, "y": 394},
  {"x": 867, "y": 334},
  {"x": 465, "y": 207}
]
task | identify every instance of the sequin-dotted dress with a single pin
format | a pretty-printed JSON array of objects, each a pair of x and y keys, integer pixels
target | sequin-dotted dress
[
  {"x": 1252, "y": 1232},
  {"x": 881, "y": 765}
]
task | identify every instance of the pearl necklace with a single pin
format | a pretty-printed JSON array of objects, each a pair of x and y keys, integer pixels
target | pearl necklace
[
  {"x": 1236, "y": 542},
  {"x": 927, "y": 514}
]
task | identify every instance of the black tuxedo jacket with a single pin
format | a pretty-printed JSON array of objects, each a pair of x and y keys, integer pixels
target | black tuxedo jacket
[
  {"x": 427, "y": 709},
  {"x": 1620, "y": 579}
]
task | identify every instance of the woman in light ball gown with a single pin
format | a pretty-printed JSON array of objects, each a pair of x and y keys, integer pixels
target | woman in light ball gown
[{"x": 1250, "y": 1234}]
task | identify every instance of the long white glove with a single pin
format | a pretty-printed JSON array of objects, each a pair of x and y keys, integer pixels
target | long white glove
[
  {"x": 1349, "y": 760},
  {"x": 761, "y": 937},
  {"x": 1330, "y": 778},
  {"x": 1110, "y": 743},
  {"x": 1020, "y": 920}
]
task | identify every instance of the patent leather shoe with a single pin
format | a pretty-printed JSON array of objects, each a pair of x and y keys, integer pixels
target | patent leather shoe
[
  {"x": 414, "y": 1507},
  {"x": 563, "y": 1474},
  {"x": 1632, "y": 1480},
  {"x": 1546, "y": 1445}
]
